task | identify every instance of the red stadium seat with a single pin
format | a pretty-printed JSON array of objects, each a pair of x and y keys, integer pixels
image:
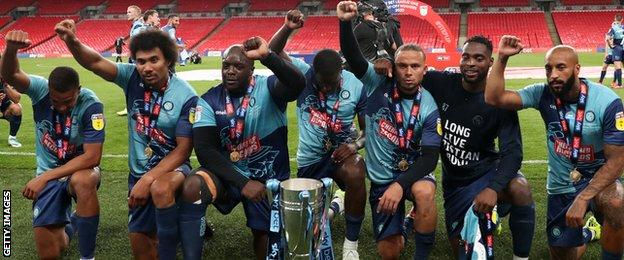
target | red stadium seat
[
  {"x": 239, "y": 29},
  {"x": 264, "y": 5},
  {"x": 193, "y": 30},
  {"x": 416, "y": 30},
  {"x": 319, "y": 32},
  {"x": 39, "y": 28},
  {"x": 194, "y": 6},
  {"x": 587, "y": 2},
  {"x": 52, "y": 7},
  {"x": 529, "y": 26},
  {"x": 585, "y": 29},
  {"x": 121, "y": 6},
  {"x": 497, "y": 3},
  {"x": 6, "y": 6}
]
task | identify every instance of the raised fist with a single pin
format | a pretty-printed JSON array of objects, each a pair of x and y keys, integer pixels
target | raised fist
[
  {"x": 256, "y": 48},
  {"x": 294, "y": 19},
  {"x": 509, "y": 46},
  {"x": 346, "y": 10},
  {"x": 66, "y": 29},
  {"x": 17, "y": 39}
]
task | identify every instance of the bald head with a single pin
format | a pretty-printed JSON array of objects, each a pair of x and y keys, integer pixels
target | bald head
[
  {"x": 236, "y": 69},
  {"x": 564, "y": 51},
  {"x": 236, "y": 50}
]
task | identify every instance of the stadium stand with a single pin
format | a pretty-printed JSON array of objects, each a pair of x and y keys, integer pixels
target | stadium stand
[
  {"x": 500, "y": 3},
  {"x": 193, "y": 30},
  {"x": 584, "y": 29},
  {"x": 318, "y": 33},
  {"x": 330, "y": 4},
  {"x": 529, "y": 26},
  {"x": 264, "y": 5},
  {"x": 586, "y": 2},
  {"x": 437, "y": 3},
  {"x": 239, "y": 29},
  {"x": 6, "y": 6},
  {"x": 39, "y": 28},
  {"x": 120, "y": 6},
  {"x": 4, "y": 21},
  {"x": 52, "y": 7},
  {"x": 194, "y": 6},
  {"x": 98, "y": 34},
  {"x": 416, "y": 30}
]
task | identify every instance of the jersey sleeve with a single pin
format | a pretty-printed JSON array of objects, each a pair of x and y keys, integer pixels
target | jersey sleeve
[
  {"x": 431, "y": 130},
  {"x": 371, "y": 79},
  {"x": 204, "y": 114},
  {"x": 124, "y": 72},
  {"x": 93, "y": 123},
  {"x": 300, "y": 65},
  {"x": 184, "y": 127},
  {"x": 37, "y": 89},
  {"x": 360, "y": 107},
  {"x": 531, "y": 95},
  {"x": 613, "y": 123}
]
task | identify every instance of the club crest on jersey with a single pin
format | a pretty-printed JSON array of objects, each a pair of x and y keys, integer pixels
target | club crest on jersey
[
  {"x": 97, "y": 121},
  {"x": 619, "y": 121},
  {"x": 168, "y": 106},
  {"x": 192, "y": 115},
  {"x": 590, "y": 116},
  {"x": 345, "y": 94}
]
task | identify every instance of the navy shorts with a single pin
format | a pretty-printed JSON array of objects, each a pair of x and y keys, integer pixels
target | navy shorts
[
  {"x": 608, "y": 59},
  {"x": 142, "y": 219},
  {"x": 384, "y": 225},
  {"x": 54, "y": 203},
  {"x": 617, "y": 53},
  {"x": 558, "y": 204},
  {"x": 325, "y": 168},
  {"x": 458, "y": 199}
]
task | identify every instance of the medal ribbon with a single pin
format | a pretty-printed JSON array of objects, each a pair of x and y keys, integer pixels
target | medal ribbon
[
  {"x": 147, "y": 120},
  {"x": 237, "y": 121},
  {"x": 333, "y": 117},
  {"x": 578, "y": 123},
  {"x": 405, "y": 135},
  {"x": 63, "y": 133}
]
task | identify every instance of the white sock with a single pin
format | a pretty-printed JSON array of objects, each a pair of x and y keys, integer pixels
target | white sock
[{"x": 515, "y": 257}]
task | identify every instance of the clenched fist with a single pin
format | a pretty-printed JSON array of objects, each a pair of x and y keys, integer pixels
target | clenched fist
[
  {"x": 346, "y": 10},
  {"x": 17, "y": 39},
  {"x": 509, "y": 46},
  {"x": 66, "y": 29},
  {"x": 294, "y": 19},
  {"x": 256, "y": 48}
]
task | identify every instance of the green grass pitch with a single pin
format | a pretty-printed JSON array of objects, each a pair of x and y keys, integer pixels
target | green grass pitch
[{"x": 232, "y": 238}]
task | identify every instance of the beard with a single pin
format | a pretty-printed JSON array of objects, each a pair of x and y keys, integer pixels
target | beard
[{"x": 565, "y": 88}]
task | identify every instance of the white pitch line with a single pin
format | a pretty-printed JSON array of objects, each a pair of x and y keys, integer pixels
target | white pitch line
[{"x": 194, "y": 157}]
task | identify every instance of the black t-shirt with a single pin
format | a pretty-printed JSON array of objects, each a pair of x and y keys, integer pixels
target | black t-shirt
[{"x": 469, "y": 128}]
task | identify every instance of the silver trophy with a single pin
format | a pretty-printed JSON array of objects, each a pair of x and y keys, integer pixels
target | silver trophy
[{"x": 303, "y": 206}]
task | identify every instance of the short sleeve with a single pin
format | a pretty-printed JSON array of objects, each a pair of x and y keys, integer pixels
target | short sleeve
[
  {"x": 431, "y": 130},
  {"x": 360, "y": 107},
  {"x": 184, "y": 128},
  {"x": 93, "y": 123},
  {"x": 37, "y": 89},
  {"x": 613, "y": 123},
  {"x": 300, "y": 65},
  {"x": 371, "y": 79},
  {"x": 204, "y": 114},
  {"x": 531, "y": 95},
  {"x": 124, "y": 72}
]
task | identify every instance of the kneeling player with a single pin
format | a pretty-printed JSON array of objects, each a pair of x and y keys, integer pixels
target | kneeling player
[
  {"x": 69, "y": 148},
  {"x": 402, "y": 143},
  {"x": 328, "y": 141},
  {"x": 11, "y": 110},
  {"x": 241, "y": 141}
]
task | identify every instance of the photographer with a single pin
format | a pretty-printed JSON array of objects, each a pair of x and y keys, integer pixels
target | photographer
[{"x": 377, "y": 32}]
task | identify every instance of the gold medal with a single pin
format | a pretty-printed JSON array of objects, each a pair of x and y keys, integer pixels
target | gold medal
[
  {"x": 148, "y": 152},
  {"x": 235, "y": 156},
  {"x": 575, "y": 175},
  {"x": 403, "y": 165},
  {"x": 328, "y": 145}
]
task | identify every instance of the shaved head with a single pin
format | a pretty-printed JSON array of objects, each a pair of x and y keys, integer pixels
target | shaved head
[
  {"x": 238, "y": 50},
  {"x": 566, "y": 50}
]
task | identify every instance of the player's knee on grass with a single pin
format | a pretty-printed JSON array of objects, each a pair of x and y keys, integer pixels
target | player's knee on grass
[
  {"x": 390, "y": 247},
  {"x": 423, "y": 192},
  {"x": 352, "y": 171},
  {"x": 611, "y": 204},
  {"x": 520, "y": 192},
  {"x": 84, "y": 182},
  {"x": 195, "y": 188}
]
